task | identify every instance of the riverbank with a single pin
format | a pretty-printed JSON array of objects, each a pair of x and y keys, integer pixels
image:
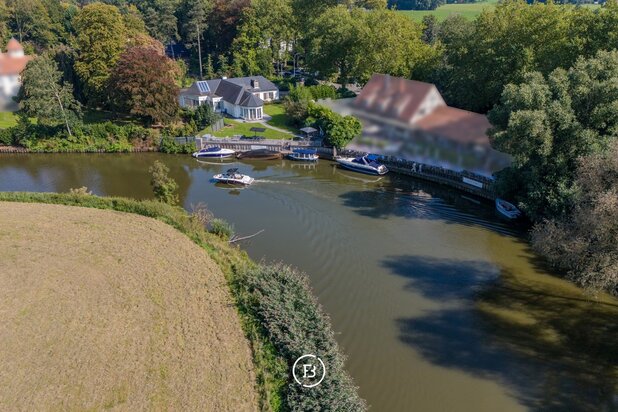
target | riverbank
[
  {"x": 262, "y": 319},
  {"x": 103, "y": 309}
]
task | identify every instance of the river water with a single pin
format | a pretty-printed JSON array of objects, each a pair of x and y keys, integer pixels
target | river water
[{"x": 438, "y": 304}]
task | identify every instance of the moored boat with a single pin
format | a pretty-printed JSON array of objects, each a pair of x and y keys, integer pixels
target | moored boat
[
  {"x": 233, "y": 177},
  {"x": 364, "y": 164},
  {"x": 507, "y": 209},
  {"x": 260, "y": 154},
  {"x": 214, "y": 152},
  {"x": 304, "y": 155}
]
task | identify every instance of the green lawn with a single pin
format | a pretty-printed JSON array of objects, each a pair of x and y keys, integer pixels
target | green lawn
[
  {"x": 467, "y": 10},
  {"x": 7, "y": 119},
  {"x": 279, "y": 118},
  {"x": 235, "y": 127}
]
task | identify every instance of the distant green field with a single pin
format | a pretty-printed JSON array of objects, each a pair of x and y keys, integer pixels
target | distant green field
[{"x": 467, "y": 10}]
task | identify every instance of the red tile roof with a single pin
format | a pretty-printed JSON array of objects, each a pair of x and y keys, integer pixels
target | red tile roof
[
  {"x": 456, "y": 124},
  {"x": 393, "y": 97}
]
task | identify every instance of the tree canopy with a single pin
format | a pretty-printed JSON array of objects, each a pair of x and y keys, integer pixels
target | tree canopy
[
  {"x": 101, "y": 37},
  {"x": 45, "y": 97},
  {"x": 547, "y": 123},
  {"x": 143, "y": 83}
]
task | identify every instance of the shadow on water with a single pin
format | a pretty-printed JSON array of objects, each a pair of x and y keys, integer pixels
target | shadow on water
[
  {"x": 553, "y": 348},
  {"x": 416, "y": 199}
]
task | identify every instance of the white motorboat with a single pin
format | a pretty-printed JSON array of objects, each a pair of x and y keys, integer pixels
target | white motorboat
[
  {"x": 304, "y": 155},
  {"x": 233, "y": 177},
  {"x": 507, "y": 209},
  {"x": 364, "y": 164},
  {"x": 214, "y": 152}
]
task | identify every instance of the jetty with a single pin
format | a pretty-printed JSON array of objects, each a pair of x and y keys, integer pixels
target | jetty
[{"x": 464, "y": 181}]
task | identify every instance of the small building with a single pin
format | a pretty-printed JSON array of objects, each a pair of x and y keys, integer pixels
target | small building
[
  {"x": 240, "y": 97},
  {"x": 12, "y": 63}
]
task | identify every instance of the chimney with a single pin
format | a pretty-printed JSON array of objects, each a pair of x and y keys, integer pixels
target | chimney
[{"x": 255, "y": 84}]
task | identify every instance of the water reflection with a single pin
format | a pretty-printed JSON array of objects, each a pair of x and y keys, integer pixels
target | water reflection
[{"x": 562, "y": 353}]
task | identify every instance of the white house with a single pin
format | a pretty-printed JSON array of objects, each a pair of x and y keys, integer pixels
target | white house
[
  {"x": 240, "y": 97},
  {"x": 12, "y": 63}
]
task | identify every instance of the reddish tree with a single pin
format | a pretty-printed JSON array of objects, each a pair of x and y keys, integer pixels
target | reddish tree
[{"x": 142, "y": 83}]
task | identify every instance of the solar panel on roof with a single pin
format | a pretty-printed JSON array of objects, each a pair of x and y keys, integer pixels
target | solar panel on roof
[{"x": 203, "y": 87}]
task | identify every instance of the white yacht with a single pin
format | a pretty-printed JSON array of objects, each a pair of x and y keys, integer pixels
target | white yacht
[
  {"x": 214, "y": 152},
  {"x": 364, "y": 164},
  {"x": 233, "y": 177}
]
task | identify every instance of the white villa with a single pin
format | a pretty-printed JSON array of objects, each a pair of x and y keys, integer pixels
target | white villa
[
  {"x": 240, "y": 97},
  {"x": 12, "y": 63}
]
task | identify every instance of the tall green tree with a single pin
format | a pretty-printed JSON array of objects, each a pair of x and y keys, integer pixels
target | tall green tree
[
  {"x": 194, "y": 24},
  {"x": 45, "y": 97},
  {"x": 547, "y": 124},
  {"x": 29, "y": 21},
  {"x": 502, "y": 45},
  {"x": 336, "y": 43},
  {"x": 101, "y": 37}
]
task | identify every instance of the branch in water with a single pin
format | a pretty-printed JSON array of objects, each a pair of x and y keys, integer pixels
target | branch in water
[{"x": 238, "y": 239}]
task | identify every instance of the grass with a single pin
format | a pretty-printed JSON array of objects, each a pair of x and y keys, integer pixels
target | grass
[
  {"x": 236, "y": 127},
  {"x": 467, "y": 10},
  {"x": 279, "y": 118}
]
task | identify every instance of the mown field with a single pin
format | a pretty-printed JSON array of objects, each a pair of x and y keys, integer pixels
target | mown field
[
  {"x": 108, "y": 310},
  {"x": 467, "y": 10}
]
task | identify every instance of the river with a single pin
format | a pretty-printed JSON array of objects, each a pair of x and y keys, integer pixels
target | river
[{"x": 438, "y": 304}]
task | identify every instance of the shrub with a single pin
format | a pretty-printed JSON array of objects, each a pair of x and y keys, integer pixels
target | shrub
[
  {"x": 171, "y": 146},
  {"x": 163, "y": 186},
  {"x": 280, "y": 297},
  {"x": 6, "y": 136},
  {"x": 221, "y": 228},
  {"x": 323, "y": 91}
]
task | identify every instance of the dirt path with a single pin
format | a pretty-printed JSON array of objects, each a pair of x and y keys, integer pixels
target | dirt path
[{"x": 102, "y": 309}]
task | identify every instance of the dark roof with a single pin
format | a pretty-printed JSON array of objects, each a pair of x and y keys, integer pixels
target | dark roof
[
  {"x": 238, "y": 90},
  {"x": 264, "y": 84},
  {"x": 250, "y": 100},
  {"x": 230, "y": 92}
]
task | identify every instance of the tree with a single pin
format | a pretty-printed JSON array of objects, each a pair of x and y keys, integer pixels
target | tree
[
  {"x": 204, "y": 116},
  {"x": 583, "y": 243},
  {"x": 100, "y": 40},
  {"x": 390, "y": 43},
  {"x": 430, "y": 29},
  {"x": 143, "y": 82},
  {"x": 163, "y": 186},
  {"x": 30, "y": 21},
  {"x": 194, "y": 25},
  {"x": 335, "y": 46},
  {"x": 45, "y": 97},
  {"x": 160, "y": 18},
  {"x": 547, "y": 124},
  {"x": 339, "y": 130}
]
